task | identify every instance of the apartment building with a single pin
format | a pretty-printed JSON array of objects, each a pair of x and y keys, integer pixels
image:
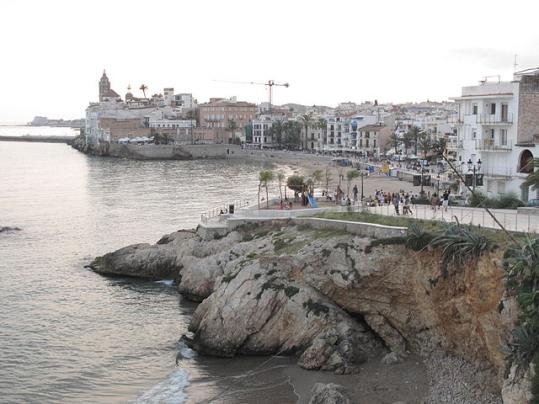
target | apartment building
[
  {"x": 218, "y": 114},
  {"x": 498, "y": 124}
]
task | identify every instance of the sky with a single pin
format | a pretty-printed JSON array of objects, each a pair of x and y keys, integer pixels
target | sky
[{"x": 53, "y": 52}]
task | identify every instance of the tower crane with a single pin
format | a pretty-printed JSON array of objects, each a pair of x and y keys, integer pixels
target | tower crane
[{"x": 269, "y": 84}]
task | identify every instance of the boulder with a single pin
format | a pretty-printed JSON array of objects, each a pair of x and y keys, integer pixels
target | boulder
[{"x": 329, "y": 393}]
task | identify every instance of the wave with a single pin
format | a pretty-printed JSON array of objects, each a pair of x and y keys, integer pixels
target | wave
[
  {"x": 168, "y": 282},
  {"x": 169, "y": 391}
]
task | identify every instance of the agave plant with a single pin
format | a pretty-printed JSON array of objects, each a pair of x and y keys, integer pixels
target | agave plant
[
  {"x": 417, "y": 238},
  {"x": 459, "y": 245}
]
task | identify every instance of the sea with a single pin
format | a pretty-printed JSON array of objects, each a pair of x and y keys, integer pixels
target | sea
[{"x": 68, "y": 335}]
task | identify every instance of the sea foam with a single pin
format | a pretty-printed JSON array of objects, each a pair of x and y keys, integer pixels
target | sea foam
[
  {"x": 168, "y": 282},
  {"x": 169, "y": 391}
]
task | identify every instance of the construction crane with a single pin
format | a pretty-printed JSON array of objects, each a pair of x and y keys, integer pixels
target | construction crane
[{"x": 269, "y": 84}]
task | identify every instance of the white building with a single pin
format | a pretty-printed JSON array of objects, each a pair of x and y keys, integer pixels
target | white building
[
  {"x": 262, "y": 136},
  {"x": 498, "y": 123}
]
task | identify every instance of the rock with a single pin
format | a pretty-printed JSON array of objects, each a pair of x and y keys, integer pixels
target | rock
[
  {"x": 516, "y": 388},
  {"x": 391, "y": 359},
  {"x": 329, "y": 393},
  {"x": 7, "y": 228},
  {"x": 257, "y": 309}
]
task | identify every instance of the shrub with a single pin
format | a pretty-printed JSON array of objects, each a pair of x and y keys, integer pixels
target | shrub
[
  {"x": 459, "y": 245},
  {"x": 503, "y": 201}
]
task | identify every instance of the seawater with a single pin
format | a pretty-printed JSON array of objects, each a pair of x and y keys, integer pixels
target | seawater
[{"x": 70, "y": 335}]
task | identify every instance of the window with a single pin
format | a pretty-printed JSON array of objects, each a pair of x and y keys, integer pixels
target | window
[
  {"x": 474, "y": 134},
  {"x": 503, "y": 137},
  {"x": 505, "y": 115},
  {"x": 366, "y": 142},
  {"x": 492, "y": 109},
  {"x": 474, "y": 109},
  {"x": 492, "y": 133},
  {"x": 374, "y": 143}
]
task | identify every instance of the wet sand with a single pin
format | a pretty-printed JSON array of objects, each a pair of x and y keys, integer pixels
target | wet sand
[{"x": 279, "y": 380}]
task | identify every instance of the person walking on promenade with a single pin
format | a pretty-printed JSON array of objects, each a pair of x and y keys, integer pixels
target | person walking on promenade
[
  {"x": 396, "y": 201},
  {"x": 355, "y": 192},
  {"x": 445, "y": 201},
  {"x": 434, "y": 202}
]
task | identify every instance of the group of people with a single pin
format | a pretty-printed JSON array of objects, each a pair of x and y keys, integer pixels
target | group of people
[
  {"x": 440, "y": 202},
  {"x": 402, "y": 201}
]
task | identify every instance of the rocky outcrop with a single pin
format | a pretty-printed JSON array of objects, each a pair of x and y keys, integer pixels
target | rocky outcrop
[
  {"x": 259, "y": 308},
  {"x": 329, "y": 393},
  {"x": 5, "y": 229},
  {"x": 330, "y": 298}
]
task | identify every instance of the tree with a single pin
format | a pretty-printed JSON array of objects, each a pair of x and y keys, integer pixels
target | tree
[
  {"x": 276, "y": 133},
  {"x": 323, "y": 125},
  {"x": 143, "y": 87},
  {"x": 532, "y": 180},
  {"x": 395, "y": 141},
  {"x": 425, "y": 144},
  {"x": 265, "y": 177},
  {"x": 327, "y": 178},
  {"x": 292, "y": 132},
  {"x": 413, "y": 135},
  {"x": 295, "y": 183},
  {"x": 350, "y": 175},
  {"x": 280, "y": 179},
  {"x": 317, "y": 178},
  {"x": 306, "y": 120}
]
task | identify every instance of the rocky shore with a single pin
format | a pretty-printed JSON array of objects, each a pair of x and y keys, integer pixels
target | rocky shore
[{"x": 335, "y": 301}]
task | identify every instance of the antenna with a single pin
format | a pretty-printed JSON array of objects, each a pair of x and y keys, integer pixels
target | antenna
[{"x": 515, "y": 64}]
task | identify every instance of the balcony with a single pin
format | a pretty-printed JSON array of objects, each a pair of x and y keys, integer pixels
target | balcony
[
  {"x": 490, "y": 145},
  {"x": 454, "y": 144},
  {"x": 487, "y": 119}
]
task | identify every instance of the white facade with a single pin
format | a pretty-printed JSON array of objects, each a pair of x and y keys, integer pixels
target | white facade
[
  {"x": 488, "y": 129},
  {"x": 262, "y": 132}
]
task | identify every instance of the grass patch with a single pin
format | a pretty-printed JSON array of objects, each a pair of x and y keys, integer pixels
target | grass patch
[{"x": 428, "y": 226}]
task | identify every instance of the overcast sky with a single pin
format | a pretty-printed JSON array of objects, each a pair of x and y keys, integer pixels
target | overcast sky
[{"x": 54, "y": 52}]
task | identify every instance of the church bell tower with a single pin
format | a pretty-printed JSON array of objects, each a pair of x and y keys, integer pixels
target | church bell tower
[{"x": 104, "y": 86}]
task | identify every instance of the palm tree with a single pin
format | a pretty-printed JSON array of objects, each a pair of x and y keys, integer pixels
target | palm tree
[
  {"x": 425, "y": 144},
  {"x": 317, "y": 178},
  {"x": 350, "y": 175},
  {"x": 280, "y": 178},
  {"x": 143, "y": 88},
  {"x": 413, "y": 135},
  {"x": 265, "y": 177},
  {"x": 532, "y": 180},
  {"x": 323, "y": 125},
  {"x": 306, "y": 120}
]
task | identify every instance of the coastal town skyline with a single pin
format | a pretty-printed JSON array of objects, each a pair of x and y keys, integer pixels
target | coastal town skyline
[{"x": 341, "y": 55}]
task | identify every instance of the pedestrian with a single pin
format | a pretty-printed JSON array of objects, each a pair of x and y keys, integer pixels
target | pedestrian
[
  {"x": 406, "y": 209},
  {"x": 355, "y": 192},
  {"x": 434, "y": 202},
  {"x": 445, "y": 201},
  {"x": 396, "y": 201}
]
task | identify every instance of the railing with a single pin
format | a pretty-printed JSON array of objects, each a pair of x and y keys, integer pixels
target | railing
[
  {"x": 511, "y": 220},
  {"x": 492, "y": 145},
  {"x": 488, "y": 119},
  {"x": 223, "y": 209},
  {"x": 454, "y": 144}
]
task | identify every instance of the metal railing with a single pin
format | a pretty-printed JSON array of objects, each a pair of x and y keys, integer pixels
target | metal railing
[
  {"x": 222, "y": 210},
  {"x": 489, "y": 119},
  {"x": 492, "y": 145},
  {"x": 512, "y": 220}
]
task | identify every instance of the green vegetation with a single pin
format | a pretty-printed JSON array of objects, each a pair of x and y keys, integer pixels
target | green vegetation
[
  {"x": 503, "y": 201},
  {"x": 460, "y": 245},
  {"x": 265, "y": 177},
  {"x": 522, "y": 265},
  {"x": 429, "y": 226},
  {"x": 296, "y": 183}
]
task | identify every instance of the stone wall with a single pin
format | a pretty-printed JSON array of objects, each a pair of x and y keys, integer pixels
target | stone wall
[
  {"x": 528, "y": 109},
  {"x": 168, "y": 152}
]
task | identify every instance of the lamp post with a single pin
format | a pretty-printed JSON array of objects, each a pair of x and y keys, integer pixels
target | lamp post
[
  {"x": 474, "y": 167},
  {"x": 362, "y": 175}
]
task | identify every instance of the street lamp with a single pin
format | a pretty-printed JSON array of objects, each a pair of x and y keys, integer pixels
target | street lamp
[{"x": 474, "y": 167}]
